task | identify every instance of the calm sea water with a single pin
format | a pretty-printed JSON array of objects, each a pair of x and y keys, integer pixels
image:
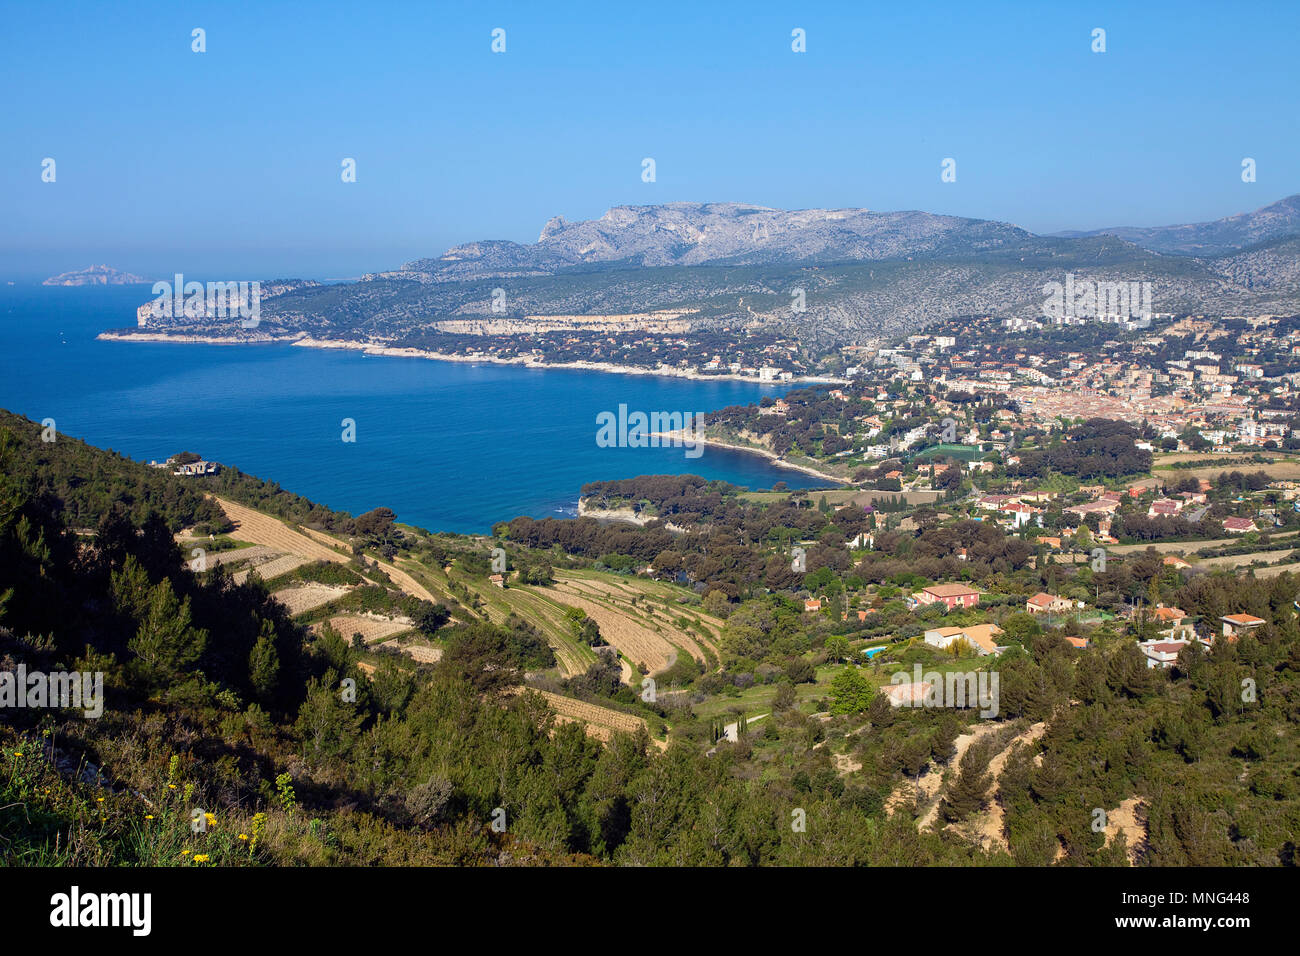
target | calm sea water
[{"x": 448, "y": 446}]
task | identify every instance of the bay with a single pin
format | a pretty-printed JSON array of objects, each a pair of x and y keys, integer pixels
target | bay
[{"x": 448, "y": 446}]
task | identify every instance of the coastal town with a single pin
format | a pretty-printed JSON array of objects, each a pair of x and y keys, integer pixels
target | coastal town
[{"x": 606, "y": 443}]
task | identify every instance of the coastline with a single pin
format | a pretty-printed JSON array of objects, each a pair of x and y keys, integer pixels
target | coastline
[
  {"x": 190, "y": 339},
  {"x": 623, "y": 514},
  {"x": 401, "y": 352},
  {"x": 691, "y": 437}
]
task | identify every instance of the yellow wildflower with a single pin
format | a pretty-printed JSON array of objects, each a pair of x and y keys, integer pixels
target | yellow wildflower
[
  {"x": 148, "y": 816},
  {"x": 243, "y": 836},
  {"x": 200, "y": 858},
  {"x": 211, "y": 819}
]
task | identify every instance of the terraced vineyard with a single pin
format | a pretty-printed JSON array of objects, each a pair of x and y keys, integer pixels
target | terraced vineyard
[
  {"x": 599, "y": 722},
  {"x": 640, "y": 644},
  {"x": 308, "y": 597},
  {"x": 273, "y": 568},
  {"x": 371, "y": 629},
  {"x": 262, "y": 529},
  {"x": 548, "y": 616},
  {"x": 420, "y": 653},
  {"x": 644, "y": 615},
  {"x": 308, "y": 544}
]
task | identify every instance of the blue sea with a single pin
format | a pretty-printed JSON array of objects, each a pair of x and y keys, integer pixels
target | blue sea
[{"x": 448, "y": 446}]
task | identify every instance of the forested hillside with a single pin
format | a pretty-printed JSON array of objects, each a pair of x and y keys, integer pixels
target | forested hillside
[{"x": 219, "y": 703}]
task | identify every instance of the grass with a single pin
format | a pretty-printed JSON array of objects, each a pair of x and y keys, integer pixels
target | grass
[{"x": 60, "y": 820}]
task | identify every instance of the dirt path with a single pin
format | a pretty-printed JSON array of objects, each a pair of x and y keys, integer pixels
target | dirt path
[
  {"x": 731, "y": 731},
  {"x": 990, "y": 826},
  {"x": 932, "y": 780},
  {"x": 1124, "y": 819}
]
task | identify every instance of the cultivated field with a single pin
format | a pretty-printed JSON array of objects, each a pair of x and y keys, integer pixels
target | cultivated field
[
  {"x": 371, "y": 629},
  {"x": 638, "y": 643},
  {"x": 273, "y": 568},
  {"x": 254, "y": 553},
  {"x": 308, "y": 597},
  {"x": 1277, "y": 469},
  {"x": 262, "y": 529},
  {"x": 600, "y": 722},
  {"x": 417, "y": 652},
  {"x": 310, "y": 545},
  {"x": 1187, "y": 547},
  {"x": 546, "y": 613},
  {"x": 653, "y": 605}
]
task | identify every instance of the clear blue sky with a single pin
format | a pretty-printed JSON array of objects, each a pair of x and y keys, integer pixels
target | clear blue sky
[{"x": 226, "y": 164}]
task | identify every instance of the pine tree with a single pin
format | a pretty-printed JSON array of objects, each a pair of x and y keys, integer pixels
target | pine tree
[
  {"x": 969, "y": 791},
  {"x": 166, "y": 645},
  {"x": 264, "y": 664}
]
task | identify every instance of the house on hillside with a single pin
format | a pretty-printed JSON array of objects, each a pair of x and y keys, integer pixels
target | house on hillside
[
  {"x": 1044, "y": 602},
  {"x": 1176, "y": 624},
  {"x": 994, "y": 502},
  {"x": 979, "y": 636},
  {"x": 949, "y": 595},
  {"x": 1161, "y": 653},
  {"x": 1235, "y": 625},
  {"x": 1239, "y": 525},
  {"x": 1140, "y": 488},
  {"x": 1164, "y": 508},
  {"x": 1021, "y": 514},
  {"x": 1100, "y": 506},
  {"x": 190, "y": 469}
]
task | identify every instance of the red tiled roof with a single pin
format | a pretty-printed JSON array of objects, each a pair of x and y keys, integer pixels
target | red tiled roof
[
  {"x": 949, "y": 590},
  {"x": 1244, "y": 620}
]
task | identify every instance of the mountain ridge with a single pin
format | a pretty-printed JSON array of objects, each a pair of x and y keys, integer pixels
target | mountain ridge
[
  {"x": 1215, "y": 237},
  {"x": 853, "y": 273}
]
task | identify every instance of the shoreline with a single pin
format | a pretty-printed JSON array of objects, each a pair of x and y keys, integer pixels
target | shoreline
[
  {"x": 391, "y": 351},
  {"x": 685, "y": 437}
]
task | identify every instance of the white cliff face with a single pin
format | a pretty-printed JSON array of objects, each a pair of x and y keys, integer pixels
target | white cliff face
[
  {"x": 686, "y": 234},
  {"x": 698, "y": 234},
  {"x": 825, "y": 276}
]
